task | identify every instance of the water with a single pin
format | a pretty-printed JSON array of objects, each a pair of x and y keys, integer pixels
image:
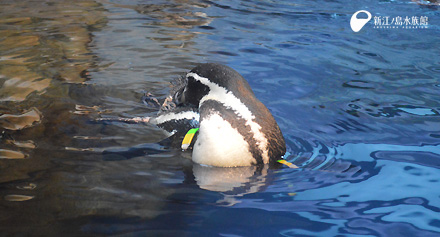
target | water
[{"x": 369, "y": 99}]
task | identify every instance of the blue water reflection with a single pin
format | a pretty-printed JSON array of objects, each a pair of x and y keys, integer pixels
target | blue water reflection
[{"x": 359, "y": 112}]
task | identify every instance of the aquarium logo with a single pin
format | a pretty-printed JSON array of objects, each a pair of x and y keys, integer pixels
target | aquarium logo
[
  {"x": 387, "y": 22},
  {"x": 357, "y": 23},
  {"x": 399, "y": 22}
]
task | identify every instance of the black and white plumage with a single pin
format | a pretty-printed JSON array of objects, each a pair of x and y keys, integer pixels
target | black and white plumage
[{"x": 235, "y": 128}]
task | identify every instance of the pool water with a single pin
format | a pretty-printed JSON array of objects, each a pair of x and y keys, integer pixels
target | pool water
[{"x": 360, "y": 113}]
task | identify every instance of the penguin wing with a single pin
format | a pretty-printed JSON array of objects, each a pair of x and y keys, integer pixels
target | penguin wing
[{"x": 177, "y": 122}]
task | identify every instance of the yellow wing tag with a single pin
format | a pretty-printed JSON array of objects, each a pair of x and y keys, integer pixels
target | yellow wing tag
[
  {"x": 284, "y": 162},
  {"x": 188, "y": 138}
]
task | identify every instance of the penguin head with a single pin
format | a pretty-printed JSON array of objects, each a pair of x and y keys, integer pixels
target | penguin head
[
  {"x": 200, "y": 81},
  {"x": 192, "y": 93}
]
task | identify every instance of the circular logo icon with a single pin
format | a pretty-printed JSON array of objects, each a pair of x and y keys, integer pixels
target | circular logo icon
[{"x": 357, "y": 23}]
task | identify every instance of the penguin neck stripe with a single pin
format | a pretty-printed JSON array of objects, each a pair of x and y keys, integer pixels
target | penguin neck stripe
[
  {"x": 223, "y": 96},
  {"x": 228, "y": 99}
]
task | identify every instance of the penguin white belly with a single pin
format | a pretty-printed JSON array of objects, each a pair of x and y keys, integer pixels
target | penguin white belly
[{"x": 219, "y": 144}]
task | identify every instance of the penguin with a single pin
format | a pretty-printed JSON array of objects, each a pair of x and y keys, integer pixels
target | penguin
[{"x": 234, "y": 128}]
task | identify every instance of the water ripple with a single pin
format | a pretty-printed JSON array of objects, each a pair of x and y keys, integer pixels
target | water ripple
[{"x": 359, "y": 112}]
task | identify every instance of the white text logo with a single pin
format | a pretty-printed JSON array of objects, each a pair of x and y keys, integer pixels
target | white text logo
[
  {"x": 413, "y": 22},
  {"x": 388, "y": 22}
]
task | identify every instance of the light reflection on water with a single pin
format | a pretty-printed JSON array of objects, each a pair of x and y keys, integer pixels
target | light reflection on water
[{"x": 358, "y": 111}]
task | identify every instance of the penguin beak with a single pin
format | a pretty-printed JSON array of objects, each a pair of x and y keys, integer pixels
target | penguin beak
[{"x": 179, "y": 97}]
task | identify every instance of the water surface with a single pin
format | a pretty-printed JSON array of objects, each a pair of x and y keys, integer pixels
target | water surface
[{"x": 359, "y": 111}]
